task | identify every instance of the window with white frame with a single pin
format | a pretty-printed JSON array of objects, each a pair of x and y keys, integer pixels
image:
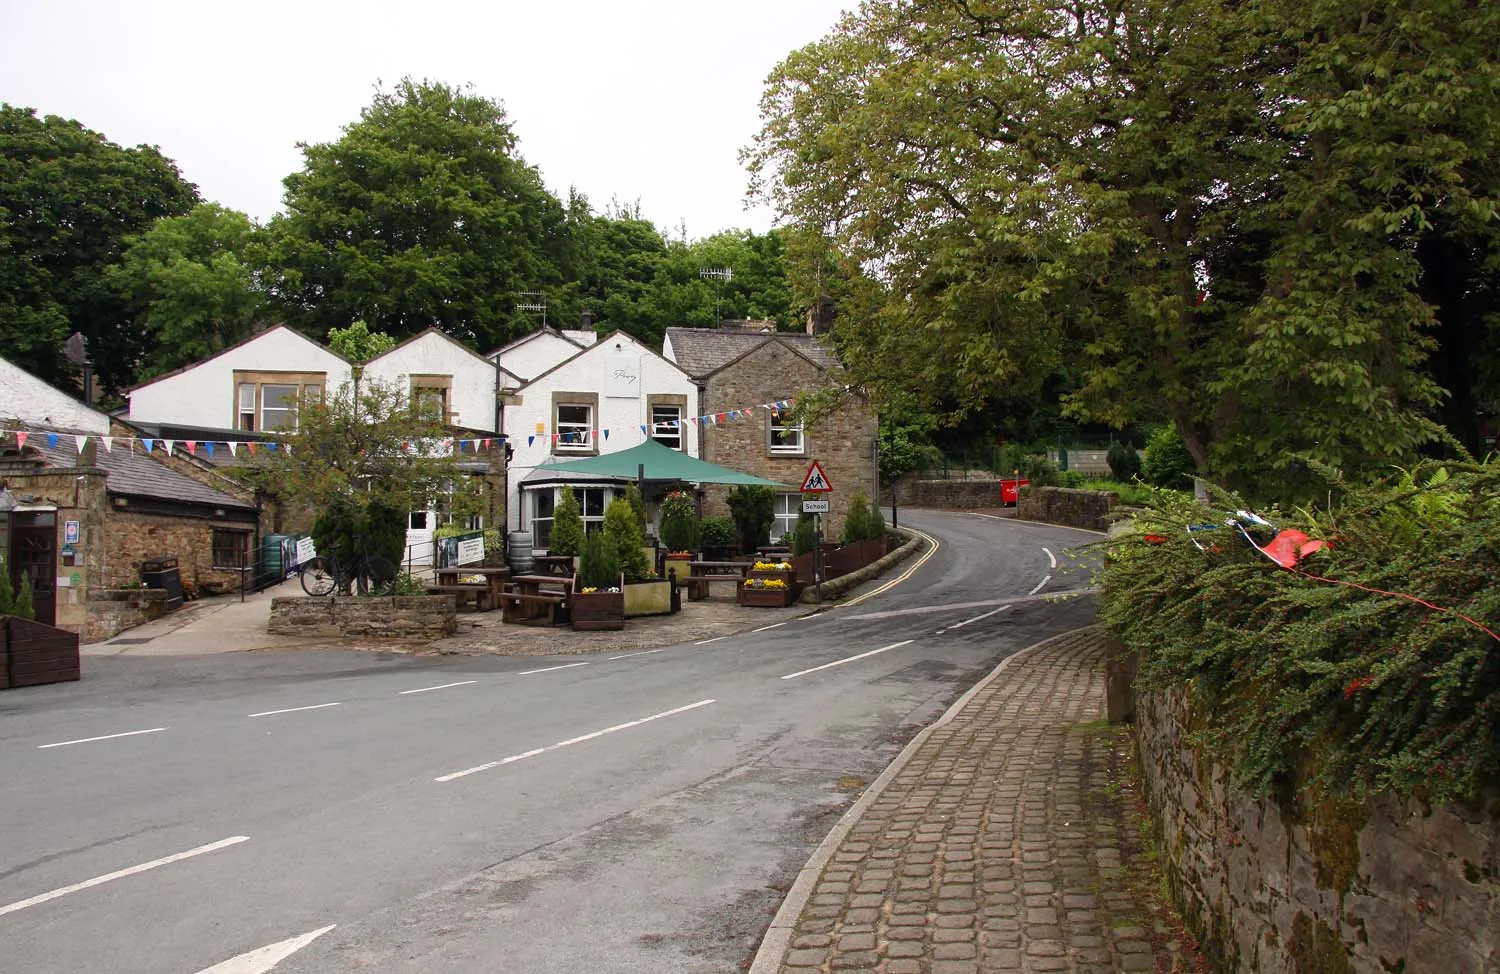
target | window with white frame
[
  {"x": 785, "y": 436},
  {"x": 574, "y": 428},
  {"x": 788, "y": 510},
  {"x": 666, "y": 425},
  {"x": 591, "y": 504}
]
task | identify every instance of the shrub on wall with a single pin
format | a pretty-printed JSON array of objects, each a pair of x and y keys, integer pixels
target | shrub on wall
[
  {"x": 1167, "y": 462},
  {"x": 863, "y": 521},
  {"x": 1374, "y": 665}
]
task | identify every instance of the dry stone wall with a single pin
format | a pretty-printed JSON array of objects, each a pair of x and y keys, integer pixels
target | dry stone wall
[
  {"x": 1378, "y": 887},
  {"x": 953, "y": 495},
  {"x": 398, "y": 617},
  {"x": 1065, "y": 505}
]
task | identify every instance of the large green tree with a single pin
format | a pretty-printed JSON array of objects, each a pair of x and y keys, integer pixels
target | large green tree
[
  {"x": 193, "y": 280},
  {"x": 1211, "y": 212},
  {"x": 423, "y": 213},
  {"x": 69, "y": 199}
]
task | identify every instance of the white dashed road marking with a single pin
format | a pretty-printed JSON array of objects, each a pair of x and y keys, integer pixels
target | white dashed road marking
[
  {"x": 572, "y": 740},
  {"x": 106, "y": 737},
  {"x": 850, "y": 659},
  {"x": 122, "y": 873}
]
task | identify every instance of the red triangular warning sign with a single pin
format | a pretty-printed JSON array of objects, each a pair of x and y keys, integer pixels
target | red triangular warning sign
[{"x": 816, "y": 481}]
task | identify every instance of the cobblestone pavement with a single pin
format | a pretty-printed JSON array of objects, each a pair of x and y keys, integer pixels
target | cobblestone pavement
[{"x": 1006, "y": 841}]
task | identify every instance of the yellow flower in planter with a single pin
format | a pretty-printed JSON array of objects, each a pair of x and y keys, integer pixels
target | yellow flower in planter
[
  {"x": 773, "y": 566},
  {"x": 589, "y": 591}
]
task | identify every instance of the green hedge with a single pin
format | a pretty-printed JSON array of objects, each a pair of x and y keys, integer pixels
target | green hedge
[{"x": 1330, "y": 682}]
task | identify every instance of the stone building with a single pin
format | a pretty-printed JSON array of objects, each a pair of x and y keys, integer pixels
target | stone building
[
  {"x": 748, "y": 365},
  {"x": 84, "y": 502}
]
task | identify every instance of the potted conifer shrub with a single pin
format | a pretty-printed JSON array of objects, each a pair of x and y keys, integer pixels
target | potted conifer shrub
[
  {"x": 679, "y": 532},
  {"x": 567, "y": 527},
  {"x": 645, "y": 592},
  {"x": 598, "y": 598}
]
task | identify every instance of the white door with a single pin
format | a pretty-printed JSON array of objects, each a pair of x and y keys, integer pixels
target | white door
[{"x": 419, "y": 528}]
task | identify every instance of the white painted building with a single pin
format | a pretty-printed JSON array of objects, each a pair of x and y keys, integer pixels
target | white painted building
[
  {"x": 600, "y": 400},
  {"x": 431, "y": 365},
  {"x": 28, "y": 399},
  {"x": 531, "y": 355},
  {"x": 253, "y": 386}
]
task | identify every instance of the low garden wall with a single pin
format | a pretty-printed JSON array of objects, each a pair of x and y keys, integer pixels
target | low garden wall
[
  {"x": 1340, "y": 887},
  {"x": 1069, "y": 506},
  {"x": 334, "y": 617},
  {"x": 959, "y": 495},
  {"x": 112, "y": 611},
  {"x": 911, "y": 543}
]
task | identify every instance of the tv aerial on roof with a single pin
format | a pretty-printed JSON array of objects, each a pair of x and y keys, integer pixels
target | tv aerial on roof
[
  {"x": 533, "y": 301},
  {"x": 720, "y": 276}
]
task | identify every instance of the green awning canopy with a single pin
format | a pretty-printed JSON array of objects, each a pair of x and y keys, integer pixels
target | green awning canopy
[{"x": 660, "y": 463}]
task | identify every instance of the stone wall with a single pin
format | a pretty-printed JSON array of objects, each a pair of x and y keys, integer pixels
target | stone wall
[
  {"x": 132, "y": 537},
  {"x": 841, "y": 441},
  {"x": 953, "y": 495},
  {"x": 1380, "y": 887},
  {"x": 112, "y": 611},
  {"x": 1066, "y": 505},
  {"x": 404, "y": 617}
]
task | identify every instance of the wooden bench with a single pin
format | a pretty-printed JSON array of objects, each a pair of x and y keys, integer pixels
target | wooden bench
[
  {"x": 697, "y": 585},
  {"x": 479, "y": 592},
  {"x": 532, "y": 607}
]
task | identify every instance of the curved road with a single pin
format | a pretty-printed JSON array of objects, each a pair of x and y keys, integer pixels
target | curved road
[{"x": 640, "y": 813}]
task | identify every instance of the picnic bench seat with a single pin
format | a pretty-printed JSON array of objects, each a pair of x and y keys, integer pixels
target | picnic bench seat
[
  {"x": 478, "y": 591},
  {"x": 533, "y": 607},
  {"x": 698, "y": 585}
]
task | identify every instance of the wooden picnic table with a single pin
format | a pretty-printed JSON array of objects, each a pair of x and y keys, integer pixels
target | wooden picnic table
[
  {"x": 451, "y": 577},
  {"x": 532, "y": 598},
  {"x": 553, "y": 564},
  {"x": 703, "y": 573}
]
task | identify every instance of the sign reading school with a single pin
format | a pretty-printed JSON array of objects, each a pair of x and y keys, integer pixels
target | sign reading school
[{"x": 816, "y": 481}]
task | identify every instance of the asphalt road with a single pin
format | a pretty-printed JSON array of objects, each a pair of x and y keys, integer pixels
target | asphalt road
[{"x": 642, "y": 813}]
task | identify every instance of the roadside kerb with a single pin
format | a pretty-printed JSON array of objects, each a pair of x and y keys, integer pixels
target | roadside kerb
[
  {"x": 835, "y": 587},
  {"x": 778, "y": 939}
]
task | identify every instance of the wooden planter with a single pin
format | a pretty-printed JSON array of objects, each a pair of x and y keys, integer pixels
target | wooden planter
[
  {"x": 765, "y": 598},
  {"x": 597, "y": 611},
  {"x": 32, "y": 653}
]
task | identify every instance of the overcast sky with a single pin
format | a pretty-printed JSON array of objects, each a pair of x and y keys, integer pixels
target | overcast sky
[{"x": 647, "y": 101}]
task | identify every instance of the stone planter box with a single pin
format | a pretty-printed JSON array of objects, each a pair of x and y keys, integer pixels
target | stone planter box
[
  {"x": 765, "y": 598},
  {"x": 111, "y": 611},
  {"x": 677, "y": 566},
  {"x": 648, "y": 598}
]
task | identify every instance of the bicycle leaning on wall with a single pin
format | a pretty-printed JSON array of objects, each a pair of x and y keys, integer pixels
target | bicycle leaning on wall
[{"x": 363, "y": 575}]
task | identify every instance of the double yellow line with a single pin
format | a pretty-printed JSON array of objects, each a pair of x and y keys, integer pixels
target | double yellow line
[{"x": 933, "y": 544}]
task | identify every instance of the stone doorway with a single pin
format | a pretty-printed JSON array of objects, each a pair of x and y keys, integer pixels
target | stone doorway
[{"x": 33, "y": 554}]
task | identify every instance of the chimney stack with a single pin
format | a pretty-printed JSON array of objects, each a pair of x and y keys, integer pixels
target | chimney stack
[
  {"x": 820, "y": 316},
  {"x": 586, "y": 320}
]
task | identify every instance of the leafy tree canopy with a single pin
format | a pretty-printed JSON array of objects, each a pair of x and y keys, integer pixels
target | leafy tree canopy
[
  {"x": 358, "y": 343},
  {"x": 1215, "y": 211},
  {"x": 69, "y": 199},
  {"x": 192, "y": 278},
  {"x": 423, "y": 213},
  {"x": 361, "y": 451}
]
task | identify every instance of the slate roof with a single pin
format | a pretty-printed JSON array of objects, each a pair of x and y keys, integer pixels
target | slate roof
[
  {"x": 135, "y": 474},
  {"x": 699, "y": 351}
]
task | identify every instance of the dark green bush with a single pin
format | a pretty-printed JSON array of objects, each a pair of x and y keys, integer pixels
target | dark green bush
[
  {"x": 716, "y": 532},
  {"x": 597, "y": 565},
  {"x": 863, "y": 521},
  {"x": 754, "y": 511},
  {"x": 679, "y": 522},
  {"x": 567, "y": 526},
  {"x": 805, "y": 537},
  {"x": 1167, "y": 462},
  {"x": 623, "y": 539},
  {"x": 1348, "y": 675},
  {"x": 1124, "y": 462}
]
